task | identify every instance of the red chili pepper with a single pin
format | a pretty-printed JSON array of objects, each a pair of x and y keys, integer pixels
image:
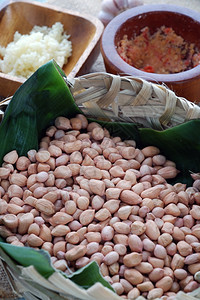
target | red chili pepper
[
  {"x": 167, "y": 30},
  {"x": 148, "y": 69}
]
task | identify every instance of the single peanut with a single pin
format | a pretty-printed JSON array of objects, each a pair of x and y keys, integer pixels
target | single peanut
[
  {"x": 133, "y": 276},
  {"x": 133, "y": 259}
]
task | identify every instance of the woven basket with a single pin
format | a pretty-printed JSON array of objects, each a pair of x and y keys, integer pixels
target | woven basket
[
  {"x": 129, "y": 99},
  {"x": 110, "y": 98}
]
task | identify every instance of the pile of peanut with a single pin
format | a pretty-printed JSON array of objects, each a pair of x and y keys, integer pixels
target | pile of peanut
[{"x": 86, "y": 196}]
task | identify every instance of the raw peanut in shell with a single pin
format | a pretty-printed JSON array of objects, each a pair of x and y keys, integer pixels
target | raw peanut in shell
[
  {"x": 45, "y": 233},
  {"x": 10, "y": 221},
  {"x": 102, "y": 214},
  {"x": 191, "y": 286},
  {"x": 5, "y": 232},
  {"x": 3, "y": 206},
  {"x": 22, "y": 163},
  {"x": 148, "y": 245},
  {"x": 170, "y": 197},
  {"x": 134, "y": 293},
  {"x": 97, "y": 133},
  {"x": 34, "y": 228},
  {"x": 116, "y": 171},
  {"x": 24, "y": 222},
  {"x": 152, "y": 230},
  {"x": 84, "y": 121},
  {"x": 165, "y": 283},
  {"x": 152, "y": 192},
  {"x": 59, "y": 246},
  {"x": 11, "y": 157},
  {"x": 76, "y": 123},
  {"x": 144, "y": 267},
  {"x": 124, "y": 185},
  {"x": 34, "y": 241},
  {"x": 192, "y": 259},
  {"x": 184, "y": 248},
  {"x": 156, "y": 274},
  {"x": 195, "y": 212},
  {"x": 92, "y": 247},
  {"x": 128, "y": 152},
  {"x": 4, "y": 173},
  {"x": 113, "y": 193},
  {"x": 120, "y": 239},
  {"x": 60, "y": 218},
  {"x": 145, "y": 286},
  {"x": 138, "y": 228},
  {"x": 18, "y": 179},
  {"x": 62, "y": 123},
  {"x": 135, "y": 243},
  {"x": 45, "y": 206},
  {"x": 155, "y": 293},
  {"x": 126, "y": 285},
  {"x": 93, "y": 237},
  {"x": 42, "y": 156},
  {"x": 111, "y": 258},
  {"x": 90, "y": 172},
  {"x": 130, "y": 197},
  {"x": 62, "y": 172},
  {"x": 76, "y": 252},
  {"x": 165, "y": 239},
  {"x": 107, "y": 233},
  {"x": 97, "y": 187},
  {"x": 121, "y": 227},
  {"x": 82, "y": 261},
  {"x": 133, "y": 259},
  {"x": 194, "y": 268},
  {"x": 87, "y": 216},
  {"x": 70, "y": 207},
  {"x": 130, "y": 176},
  {"x": 180, "y": 273},
  {"x": 72, "y": 237},
  {"x": 112, "y": 205},
  {"x": 150, "y": 151},
  {"x": 168, "y": 172},
  {"x": 156, "y": 262},
  {"x": 177, "y": 262},
  {"x": 160, "y": 252},
  {"x": 133, "y": 276},
  {"x": 124, "y": 212}
]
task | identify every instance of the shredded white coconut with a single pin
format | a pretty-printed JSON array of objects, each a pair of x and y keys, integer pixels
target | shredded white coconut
[{"x": 28, "y": 52}]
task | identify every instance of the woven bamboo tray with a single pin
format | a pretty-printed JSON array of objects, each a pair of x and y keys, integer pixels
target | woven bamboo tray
[{"x": 110, "y": 98}]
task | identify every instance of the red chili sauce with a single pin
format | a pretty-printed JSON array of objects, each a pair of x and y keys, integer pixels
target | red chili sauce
[{"x": 163, "y": 52}]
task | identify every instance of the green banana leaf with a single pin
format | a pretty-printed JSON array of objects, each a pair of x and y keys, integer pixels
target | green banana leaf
[
  {"x": 180, "y": 144},
  {"x": 42, "y": 98},
  {"x": 34, "y": 107},
  {"x": 40, "y": 259}
]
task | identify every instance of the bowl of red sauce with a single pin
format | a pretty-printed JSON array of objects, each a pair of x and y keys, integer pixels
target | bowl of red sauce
[{"x": 159, "y": 43}]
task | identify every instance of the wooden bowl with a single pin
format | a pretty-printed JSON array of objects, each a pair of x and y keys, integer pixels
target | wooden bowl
[
  {"x": 84, "y": 30},
  {"x": 185, "y": 23}
]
